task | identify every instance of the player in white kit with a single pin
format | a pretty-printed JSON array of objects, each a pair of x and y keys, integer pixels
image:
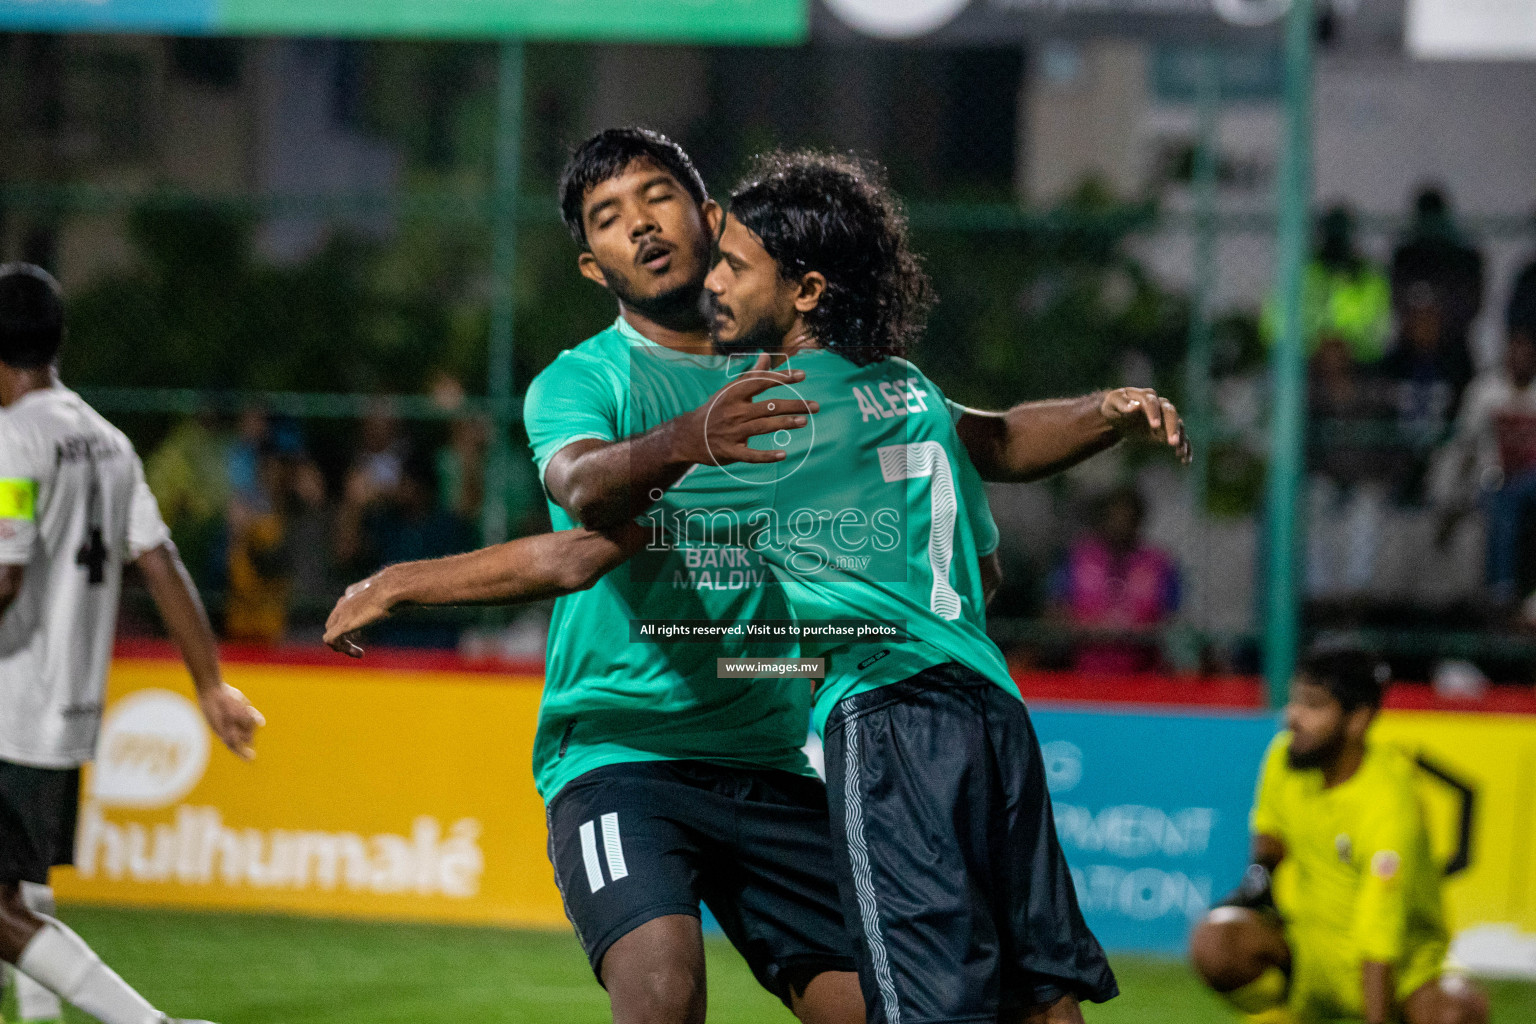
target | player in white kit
[{"x": 74, "y": 508}]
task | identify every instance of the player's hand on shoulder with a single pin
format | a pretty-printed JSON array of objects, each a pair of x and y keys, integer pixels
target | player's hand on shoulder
[
  {"x": 363, "y": 604},
  {"x": 1143, "y": 413},
  {"x": 719, "y": 432},
  {"x": 232, "y": 718}
]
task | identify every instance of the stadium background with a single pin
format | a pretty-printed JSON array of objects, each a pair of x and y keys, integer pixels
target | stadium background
[{"x": 311, "y": 246}]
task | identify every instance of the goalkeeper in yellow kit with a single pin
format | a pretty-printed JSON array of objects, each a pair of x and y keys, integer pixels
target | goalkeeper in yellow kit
[{"x": 1351, "y": 925}]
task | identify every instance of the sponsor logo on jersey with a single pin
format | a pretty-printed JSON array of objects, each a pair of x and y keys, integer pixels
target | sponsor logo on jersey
[
  {"x": 874, "y": 658},
  {"x": 720, "y": 568},
  {"x": 1386, "y": 864}
]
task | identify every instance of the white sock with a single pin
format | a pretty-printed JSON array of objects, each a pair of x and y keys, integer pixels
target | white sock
[
  {"x": 60, "y": 960},
  {"x": 33, "y": 1002}
]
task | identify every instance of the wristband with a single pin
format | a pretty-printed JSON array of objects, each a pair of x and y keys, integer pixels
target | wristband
[{"x": 1254, "y": 891}]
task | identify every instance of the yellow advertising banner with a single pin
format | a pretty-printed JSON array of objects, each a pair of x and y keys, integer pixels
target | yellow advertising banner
[
  {"x": 407, "y": 793},
  {"x": 1480, "y": 794},
  {"x": 375, "y": 793}
]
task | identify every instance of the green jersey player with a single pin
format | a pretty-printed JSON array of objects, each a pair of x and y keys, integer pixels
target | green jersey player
[
  {"x": 665, "y": 787},
  {"x": 1024, "y": 443},
  {"x": 947, "y": 853}
]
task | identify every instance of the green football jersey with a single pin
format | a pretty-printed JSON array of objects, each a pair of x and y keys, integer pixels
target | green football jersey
[
  {"x": 877, "y": 513},
  {"x": 613, "y": 697}
]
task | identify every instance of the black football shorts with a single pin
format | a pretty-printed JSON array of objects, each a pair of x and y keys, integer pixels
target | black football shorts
[
  {"x": 38, "y": 811},
  {"x": 634, "y": 842},
  {"x": 952, "y": 878}
]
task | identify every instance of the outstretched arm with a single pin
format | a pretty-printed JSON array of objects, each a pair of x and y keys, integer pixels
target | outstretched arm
[
  {"x": 229, "y": 714},
  {"x": 527, "y": 569},
  {"x": 1039, "y": 439},
  {"x": 603, "y": 484}
]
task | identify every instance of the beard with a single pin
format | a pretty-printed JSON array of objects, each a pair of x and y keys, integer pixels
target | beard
[
  {"x": 762, "y": 335},
  {"x": 1320, "y": 756},
  {"x": 680, "y": 308}
]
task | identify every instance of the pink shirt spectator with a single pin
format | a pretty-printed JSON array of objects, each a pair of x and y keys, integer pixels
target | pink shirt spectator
[{"x": 1102, "y": 589}]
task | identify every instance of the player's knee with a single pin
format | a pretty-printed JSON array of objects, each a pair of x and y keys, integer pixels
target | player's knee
[
  {"x": 1452, "y": 1000},
  {"x": 1065, "y": 1010},
  {"x": 17, "y": 923},
  {"x": 1227, "y": 948},
  {"x": 13, "y": 906},
  {"x": 826, "y": 997},
  {"x": 1211, "y": 953},
  {"x": 1457, "y": 1011},
  {"x": 663, "y": 995},
  {"x": 1467, "y": 1005},
  {"x": 655, "y": 973}
]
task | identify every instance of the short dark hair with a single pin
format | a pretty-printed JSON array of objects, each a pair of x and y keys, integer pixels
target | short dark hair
[
  {"x": 607, "y": 155},
  {"x": 836, "y": 215},
  {"x": 1353, "y": 676},
  {"x": 31, "y": 316}
]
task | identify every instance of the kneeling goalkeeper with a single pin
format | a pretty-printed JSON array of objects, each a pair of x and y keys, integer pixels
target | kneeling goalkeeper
[{"x": 1353, "y": 926}]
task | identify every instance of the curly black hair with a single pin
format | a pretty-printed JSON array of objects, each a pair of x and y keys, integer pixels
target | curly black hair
[
  {"x": 607, "y": 155},
  {"x": 836, "y": 215}
]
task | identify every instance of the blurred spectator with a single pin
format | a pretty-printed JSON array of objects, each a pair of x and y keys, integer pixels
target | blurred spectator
[
  {"x": 1424, "y": 378},
  {"x": 1422, "y": 369},
  {"x": 1114, "y": 580},
  {"x": 463, "y": 461},
  {"x": 378, "y": 525},
  {"x": 1346, "y": 405},
  {"x": 461, "y": 467},
  {"x": 268, "y": 545},
  {"x": 460, "y": 463},
  {"x": 1520, "y": 314},
  {"x": 307, "y": 530},
  {"x": 383, "y": 451},
  {"x": 244, "y": 451},
  {"x": 1344, "y": 297},
  {"x": 189, "y": 476},
  {"x": 1434, "y": 255},
  {"x": 1492, "y": 454},
  {"x": 1347, "y": 486}
]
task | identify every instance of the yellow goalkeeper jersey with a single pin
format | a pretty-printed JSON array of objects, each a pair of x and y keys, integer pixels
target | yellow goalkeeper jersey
[{"x": 1358, "y": 882}]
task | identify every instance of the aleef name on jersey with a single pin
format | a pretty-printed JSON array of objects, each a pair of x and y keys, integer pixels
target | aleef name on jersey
[{"x": 902, "y": 397}]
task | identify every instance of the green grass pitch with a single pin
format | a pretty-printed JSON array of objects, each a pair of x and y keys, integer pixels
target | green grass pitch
[{"x": 280, "y": 970}]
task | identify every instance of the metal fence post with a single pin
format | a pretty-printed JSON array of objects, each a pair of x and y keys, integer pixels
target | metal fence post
[
  {"x": 507, "y": 191},
  {"x": 1200, "y": 358},
  {"x": 1288, "y": 431}
]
